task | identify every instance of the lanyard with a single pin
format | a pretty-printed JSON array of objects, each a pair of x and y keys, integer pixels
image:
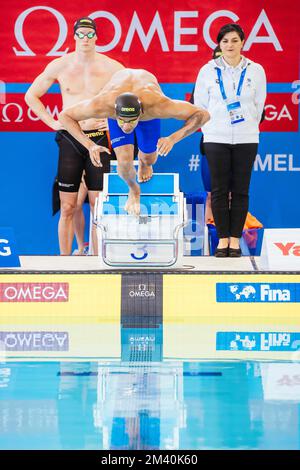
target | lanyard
[{"x": 221, "y": 84}]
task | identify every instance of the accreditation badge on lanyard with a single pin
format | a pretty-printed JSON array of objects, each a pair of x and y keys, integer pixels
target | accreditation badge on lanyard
[{"x": 234, "y": 108}]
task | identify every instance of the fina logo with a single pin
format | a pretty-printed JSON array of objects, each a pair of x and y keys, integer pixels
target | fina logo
[
  {"x": 259, "y": 293},
  {"x": 142, "y": 291},
  {"x": 248, "y": 292}
]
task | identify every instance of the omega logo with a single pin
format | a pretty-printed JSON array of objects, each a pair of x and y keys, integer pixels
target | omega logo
[
  {"x": 63, "y": 30},
  {"x": 156, "y": 29}
]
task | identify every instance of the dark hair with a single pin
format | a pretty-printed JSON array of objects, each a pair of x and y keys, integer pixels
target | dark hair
[
  {"x": 128, "y": 105},
  {"x": 217, "y": 52},
  {"x": 230, "y": 28}
]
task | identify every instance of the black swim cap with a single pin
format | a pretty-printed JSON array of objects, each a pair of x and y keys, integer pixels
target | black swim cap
[
  {"x": 85, "y": 22},
  {"x": 128, "y": 105}
]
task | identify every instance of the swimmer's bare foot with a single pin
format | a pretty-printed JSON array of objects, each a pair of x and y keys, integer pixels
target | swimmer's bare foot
[
  {"x": 144, "y": 172},
  {"x": 132, "y": 205}
]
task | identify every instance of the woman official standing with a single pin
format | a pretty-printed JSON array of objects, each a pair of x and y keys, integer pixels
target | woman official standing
[{"x": 233, "y": 90}]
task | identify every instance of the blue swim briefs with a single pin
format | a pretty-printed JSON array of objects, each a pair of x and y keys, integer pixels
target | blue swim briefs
[{"x": 147, "y": 135}]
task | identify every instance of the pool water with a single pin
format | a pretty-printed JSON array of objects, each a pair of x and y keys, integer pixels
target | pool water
[{"x": 144, "y": 403}]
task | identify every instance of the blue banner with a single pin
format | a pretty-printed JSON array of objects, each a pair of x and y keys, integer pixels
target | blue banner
[
  {"x": 258, "y": 292},
  {"x": 273, "y": 190},
  {"x": 257, "y": 341},
  {"x": 8, "y": 250}
]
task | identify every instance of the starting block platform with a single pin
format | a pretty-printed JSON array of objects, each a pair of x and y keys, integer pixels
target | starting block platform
[{"x": 155, "y": 238}]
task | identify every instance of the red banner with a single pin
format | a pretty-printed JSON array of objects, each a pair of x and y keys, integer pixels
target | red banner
[
  {"x": 171, "y": 39},
  {"x": 282, "y": 115},
  {"x": 15, "y": 116},
  {"x": 34, "y": 292}
]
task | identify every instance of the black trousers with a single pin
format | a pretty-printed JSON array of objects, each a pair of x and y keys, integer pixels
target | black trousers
[{"x": 230, "y": 168}]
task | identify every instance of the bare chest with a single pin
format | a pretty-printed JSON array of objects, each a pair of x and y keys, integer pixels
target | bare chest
[{"x": 82, "y": 82}]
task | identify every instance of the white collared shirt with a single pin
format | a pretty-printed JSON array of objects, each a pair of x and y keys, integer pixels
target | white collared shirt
[{"x": 207, "y": 95}]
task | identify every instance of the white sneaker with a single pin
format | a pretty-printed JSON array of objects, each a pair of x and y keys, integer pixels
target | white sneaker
[{"x": 85, "y": 251}]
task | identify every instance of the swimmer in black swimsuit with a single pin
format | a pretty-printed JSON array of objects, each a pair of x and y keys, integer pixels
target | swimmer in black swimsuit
[{"x": 81, "y": 75}]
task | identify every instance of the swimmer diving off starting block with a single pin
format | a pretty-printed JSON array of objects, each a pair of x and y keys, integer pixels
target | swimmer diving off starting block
[{"x": 133, "y": 101}]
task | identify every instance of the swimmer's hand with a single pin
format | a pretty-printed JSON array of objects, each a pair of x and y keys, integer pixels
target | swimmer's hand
[
  {"x": 57, "y": 126},
  {"x": 94, "y": 151},
  {"x": 100, "y": 124},
  {"x": 164, "y": 146}
]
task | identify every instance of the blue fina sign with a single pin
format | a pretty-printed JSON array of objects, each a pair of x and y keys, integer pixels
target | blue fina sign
[
  {"x": 8, "y": 252},
  {"x": 257, "y": 341},
  {"x": 263, "y": 292}
]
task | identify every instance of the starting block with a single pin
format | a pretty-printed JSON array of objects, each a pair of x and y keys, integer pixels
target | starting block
[{"x": 155, "y": 238}]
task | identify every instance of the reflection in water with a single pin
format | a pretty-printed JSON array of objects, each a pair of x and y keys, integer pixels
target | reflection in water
[
  {"x": 142, "y": 401},
  {"x": 219, "y": 406}
]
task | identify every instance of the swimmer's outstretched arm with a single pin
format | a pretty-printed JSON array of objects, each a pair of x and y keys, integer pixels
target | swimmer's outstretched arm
[
  {"x": 194, "y": 117},
  {"x": 70, "y": 117}
]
